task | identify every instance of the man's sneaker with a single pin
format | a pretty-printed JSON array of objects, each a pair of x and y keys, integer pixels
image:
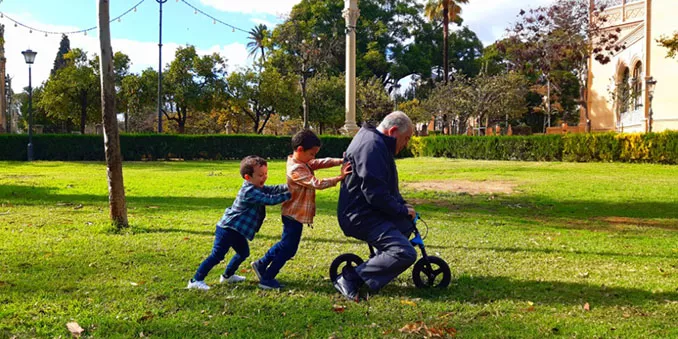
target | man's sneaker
[
  {"x": 232, "y": 279},
  {"x": 200, "y": 285},
  {"x": 347, "y": 288},
  {"x": 258, "y": 269},
  {"x": 270, "y": 284}
]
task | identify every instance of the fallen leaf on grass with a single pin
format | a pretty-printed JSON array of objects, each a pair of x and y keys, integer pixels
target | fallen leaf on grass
[
  {"x": 75, "y": 329},
  {"x": 626, "y": 315},
  {"x": 587, "y": 307},
  {"x": 408, "y": 302},
  {"x": 152, "y": 207},
  {"x": 420, "y": 327},
  {"x": 77, "y": 207},
  {"x": 530, "y": 309},
  {"x": 147, "y": 316},
  {"x": 338, "y": 308}
]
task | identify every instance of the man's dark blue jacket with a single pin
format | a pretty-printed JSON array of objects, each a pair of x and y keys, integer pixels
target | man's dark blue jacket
[{"x": 369, "y": 196}]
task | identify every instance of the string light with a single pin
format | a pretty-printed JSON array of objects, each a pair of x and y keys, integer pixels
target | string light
[
  {"x": 31, "y": 29},
  {"x": 196, "y": 10}
]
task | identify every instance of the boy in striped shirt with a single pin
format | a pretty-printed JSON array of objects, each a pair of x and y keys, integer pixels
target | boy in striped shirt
[
  {"x": 241, "y": 221},
  {"x": 300, "y": 209}
]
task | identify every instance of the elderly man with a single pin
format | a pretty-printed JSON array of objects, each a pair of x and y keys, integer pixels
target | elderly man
[{"x": 371, "y": 208}]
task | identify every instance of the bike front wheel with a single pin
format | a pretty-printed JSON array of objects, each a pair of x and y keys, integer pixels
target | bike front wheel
[{"x": 431, "y": 272}]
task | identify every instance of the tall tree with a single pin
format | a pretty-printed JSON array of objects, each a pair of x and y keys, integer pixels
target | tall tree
[
  {"x": 257, "y": 37},
  {"x": 304, "y": 53},
  {"x": 193, "y": 84},
  {"x": 259, "y": 95},
  {"x": 138, "y": 99},
  {"x": 64, "y": 47},
  {"x": 447, "y": 10},
  {"x": 562, "y": 37},
  {"x": 74, "y": 91},
  {"x": 483, "y": 98},
  {"x": 116, "y": 187}
]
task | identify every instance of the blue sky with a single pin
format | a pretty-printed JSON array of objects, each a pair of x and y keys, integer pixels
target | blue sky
[{"x": 137, "y": 33}]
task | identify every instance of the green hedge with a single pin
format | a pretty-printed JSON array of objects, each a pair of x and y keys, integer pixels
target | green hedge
[
  {"x": 647, "y": 147},
  {"x": 659, "y": 148},
  {"x": 150, "y": 147},
  {"x": 531, "y": 148}
]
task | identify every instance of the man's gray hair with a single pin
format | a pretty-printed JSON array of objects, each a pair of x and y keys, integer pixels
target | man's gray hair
[{"x": 398, "y": 119}]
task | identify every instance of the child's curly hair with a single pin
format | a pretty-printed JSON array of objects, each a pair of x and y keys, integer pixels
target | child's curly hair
[{"x": 249, "y": 162}]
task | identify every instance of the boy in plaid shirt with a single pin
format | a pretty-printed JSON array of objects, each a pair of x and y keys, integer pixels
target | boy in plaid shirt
[
  {"x": 301, "y": 208},
  {"x": 241, "y": 221}
]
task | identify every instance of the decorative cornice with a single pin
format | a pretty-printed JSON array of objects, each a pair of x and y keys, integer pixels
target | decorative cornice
[{"x": 351, "y": 15}]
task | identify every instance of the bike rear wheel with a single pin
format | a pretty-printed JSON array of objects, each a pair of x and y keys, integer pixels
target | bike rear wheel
[{"x": 342, "y": 261}]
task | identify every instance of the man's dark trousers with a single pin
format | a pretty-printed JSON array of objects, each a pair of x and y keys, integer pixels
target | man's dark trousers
[{"x": 394, "y": 253}]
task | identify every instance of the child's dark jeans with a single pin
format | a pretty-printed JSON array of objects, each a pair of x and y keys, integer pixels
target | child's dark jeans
[
  {"x": 284, "y": 249},
  {"x": 224, "y": 238}
]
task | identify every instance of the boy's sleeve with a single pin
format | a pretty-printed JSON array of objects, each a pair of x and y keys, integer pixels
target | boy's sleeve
[
  {"x": 260, "y": 197},
  {"x": 302, "y": 176},
  {"x": 275, "y": 189},
  {"x": 325, "y": 163}
]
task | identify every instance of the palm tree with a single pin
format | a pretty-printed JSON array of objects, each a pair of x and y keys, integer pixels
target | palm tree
[
  {"x": 257, "y": 36},
  {"x": 447, "y": 10}
]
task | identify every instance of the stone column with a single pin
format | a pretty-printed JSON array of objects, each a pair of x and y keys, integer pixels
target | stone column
[{"x": 351, "y": 14}]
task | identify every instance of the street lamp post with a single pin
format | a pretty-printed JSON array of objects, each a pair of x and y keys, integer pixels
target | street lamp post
[
  {"x": 29, "y": 56},
  {"x": 160, "y": 2},
  {"x": 650, "y": 82}
]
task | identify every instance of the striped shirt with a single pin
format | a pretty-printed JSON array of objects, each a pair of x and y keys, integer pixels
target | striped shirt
[
  {"x": 303, "y": 183},
  {"x": 248, "y": 211}
]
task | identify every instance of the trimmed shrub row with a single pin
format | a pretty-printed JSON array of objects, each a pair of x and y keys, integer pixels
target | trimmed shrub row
[
  {"x": 650, "y": 147},
  {"x": 134, "y": 147}
]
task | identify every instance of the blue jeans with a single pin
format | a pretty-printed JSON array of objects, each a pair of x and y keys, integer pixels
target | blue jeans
[
  {"x": 283, "y": 250},
  {"x": 224, "y": 238}
]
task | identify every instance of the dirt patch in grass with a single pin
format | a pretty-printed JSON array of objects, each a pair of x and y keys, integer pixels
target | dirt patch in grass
[{"x": 464, "y": 186}]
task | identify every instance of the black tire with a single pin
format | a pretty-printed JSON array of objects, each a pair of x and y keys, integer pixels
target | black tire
[
  {"x": 439, "y": 276},
  {"x": 341, "y": 261}
]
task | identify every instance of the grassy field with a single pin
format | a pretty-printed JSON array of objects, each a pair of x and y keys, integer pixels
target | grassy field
[{"x": 560, "y": 249}]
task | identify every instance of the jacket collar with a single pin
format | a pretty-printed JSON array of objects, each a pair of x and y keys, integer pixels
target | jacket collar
[{"x": 390, "y": 142}]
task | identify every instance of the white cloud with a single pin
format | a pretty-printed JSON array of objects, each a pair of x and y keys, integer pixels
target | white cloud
[
  {"x": 263, "y": 22},
  {"x": 143, "y": 54},
  {"x": 275, "y": 7}
]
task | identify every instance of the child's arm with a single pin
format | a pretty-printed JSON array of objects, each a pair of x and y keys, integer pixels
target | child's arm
[
  {"x": 260, "y": 197},
  {"x": 275, "y": 189},
  {"x": 325, "y": 163},
  {"x": 305, "y": 178}
]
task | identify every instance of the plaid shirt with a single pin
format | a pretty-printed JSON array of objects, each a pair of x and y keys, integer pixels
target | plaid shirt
[
  {"x": 303, "y": 183},
  {"x": 249, "y": 208}
]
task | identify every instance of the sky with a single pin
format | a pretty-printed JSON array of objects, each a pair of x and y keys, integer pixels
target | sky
[{"x": 136, "y": 34}]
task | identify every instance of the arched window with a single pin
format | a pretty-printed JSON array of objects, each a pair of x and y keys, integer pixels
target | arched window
[
  {"x": 637, "y": 92},
  {"x": 624, "y": 91}
]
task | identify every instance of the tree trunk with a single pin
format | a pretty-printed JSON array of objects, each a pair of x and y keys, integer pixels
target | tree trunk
[
  {"x": 83, "y": 111},
  {"x": 304, "y": 103},
  {"x": 446, "y": 21},
  {"x": 116, "y": 187}
]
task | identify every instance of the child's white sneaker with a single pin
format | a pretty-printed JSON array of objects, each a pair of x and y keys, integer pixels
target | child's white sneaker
[
  {"x": 200, "y": 285},
  {"x": 232, "y": 279}
]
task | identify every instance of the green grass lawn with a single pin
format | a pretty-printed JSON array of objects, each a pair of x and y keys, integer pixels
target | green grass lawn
[{"x": 575, "y": 250}]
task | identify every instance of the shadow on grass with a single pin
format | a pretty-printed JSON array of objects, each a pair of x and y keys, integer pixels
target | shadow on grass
[
  {"x": 485, "y": 289},
  {"x": 537, "y": 209},
  {"x": 565, "y": 252}
]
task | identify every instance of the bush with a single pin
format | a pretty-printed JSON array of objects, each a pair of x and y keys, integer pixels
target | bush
[
  {"x": 134, "y": 147},
  {"x": 532, "y": 148}
]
